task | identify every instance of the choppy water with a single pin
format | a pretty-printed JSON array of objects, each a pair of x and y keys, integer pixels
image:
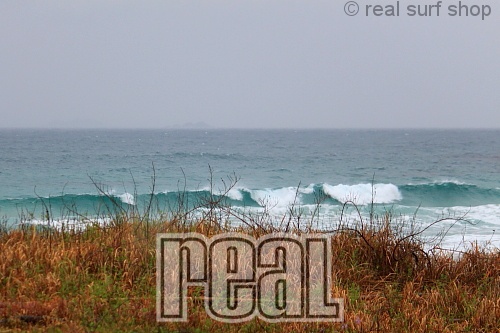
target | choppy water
[{"x": 434, "y": 173}]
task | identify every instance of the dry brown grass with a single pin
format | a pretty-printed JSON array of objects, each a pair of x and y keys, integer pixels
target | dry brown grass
[{"x": 103, "y": 280}]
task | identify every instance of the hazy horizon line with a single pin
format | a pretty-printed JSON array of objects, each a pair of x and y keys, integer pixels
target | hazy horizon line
[{"x": 247, "y": 128}]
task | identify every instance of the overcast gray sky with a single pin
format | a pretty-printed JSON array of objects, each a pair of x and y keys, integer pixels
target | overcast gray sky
[{"x": 245, "y": 63}]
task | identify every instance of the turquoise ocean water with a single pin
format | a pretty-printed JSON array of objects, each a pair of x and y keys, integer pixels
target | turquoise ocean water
[{"x": 426, "y": 174}]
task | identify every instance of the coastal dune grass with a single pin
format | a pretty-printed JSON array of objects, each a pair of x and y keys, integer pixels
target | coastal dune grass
[{"x": 102, "y": 279}]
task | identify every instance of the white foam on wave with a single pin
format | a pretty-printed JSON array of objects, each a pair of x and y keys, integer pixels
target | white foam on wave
[
  {"x": 449, "y": 181},
  {"x": 235, "y": 194},
  {"x": 465, "y": 242},
  {"x": 461, "y": 227},
  {"x": 69, "y": 223},
  {"x": 440, "y": 182},
  {"x": 280, "y": 197},
  {"x": 362, "y": 194},
  {"x": 308, "y": 190},
  {"x": 486, "y": 213},
  {"x": 127, "y": 198}
]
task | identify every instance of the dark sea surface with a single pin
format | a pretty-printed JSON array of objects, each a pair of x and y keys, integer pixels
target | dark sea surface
[{"x": 428, "y": 174}]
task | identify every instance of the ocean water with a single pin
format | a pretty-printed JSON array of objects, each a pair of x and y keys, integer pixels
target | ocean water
[{"x": 416, "y": 175}]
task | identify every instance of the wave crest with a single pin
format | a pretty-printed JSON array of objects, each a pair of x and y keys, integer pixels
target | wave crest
[{"x": 362, "y": 194}]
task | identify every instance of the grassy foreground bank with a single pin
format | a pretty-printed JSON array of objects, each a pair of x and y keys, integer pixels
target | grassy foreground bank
[{"x": 102, "y": 279}]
